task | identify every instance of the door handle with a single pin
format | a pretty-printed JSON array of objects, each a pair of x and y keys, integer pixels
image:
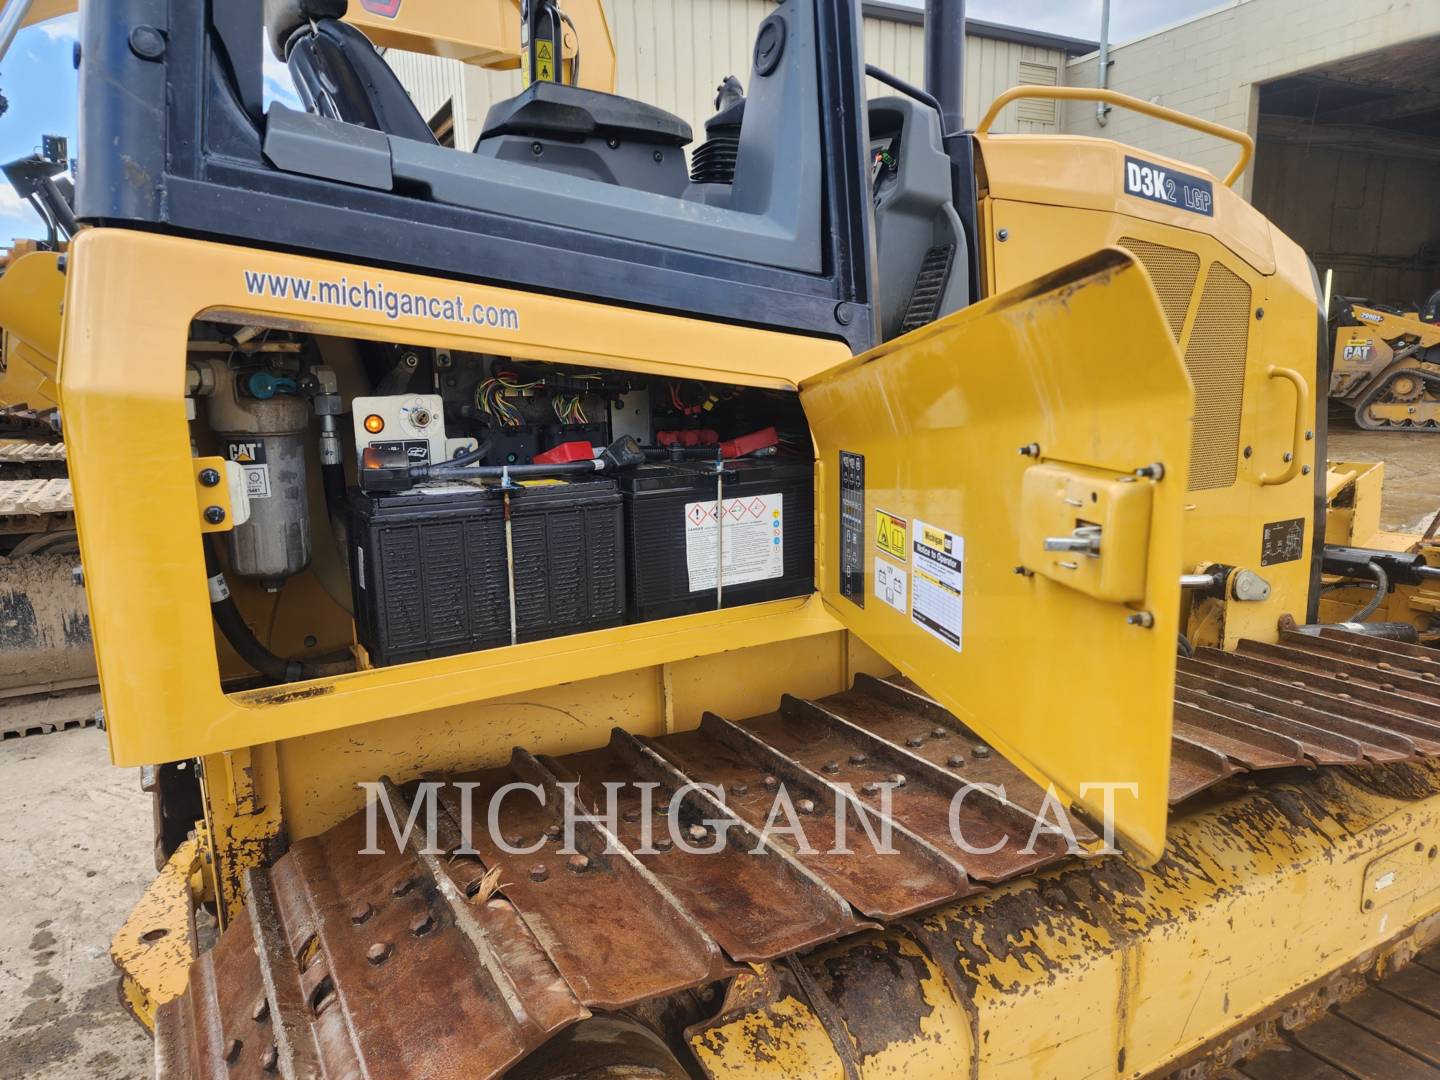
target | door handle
[{"x": 1297, "y": 439}]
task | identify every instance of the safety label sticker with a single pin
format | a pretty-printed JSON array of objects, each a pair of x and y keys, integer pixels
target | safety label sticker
[
  {"x": 747, "y": 534},
  {"x": 937, "y": 603},
  {"x": 544, "y": 61},
  {"x": 251, "y": 458},
  {"x": 890, "y": 530},
  {"x": 892, "y": 584},
  {"x": 1282, "y": 541}
]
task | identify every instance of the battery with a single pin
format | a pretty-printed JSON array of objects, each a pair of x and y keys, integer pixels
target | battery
[
  {"x": 677, "y": 535},
  {"x": 431, "y": 576}
]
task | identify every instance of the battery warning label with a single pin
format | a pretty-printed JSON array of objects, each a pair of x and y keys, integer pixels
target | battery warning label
[
  {"x": 937, "y": 601},
  {"x": 890, "y": 530},
  {"x": 892, "y": 585},
  {"x": 747, "y": 533}
]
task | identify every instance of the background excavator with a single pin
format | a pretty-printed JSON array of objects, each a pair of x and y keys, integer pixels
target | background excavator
[{"x": 857, "y": 455}]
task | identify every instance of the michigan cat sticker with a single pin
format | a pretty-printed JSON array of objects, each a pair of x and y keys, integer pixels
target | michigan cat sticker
[{"x": 1162, "y": 184}]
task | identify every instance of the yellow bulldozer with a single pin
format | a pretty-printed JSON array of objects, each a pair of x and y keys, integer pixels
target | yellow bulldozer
[{"x": 856, "y": 597}]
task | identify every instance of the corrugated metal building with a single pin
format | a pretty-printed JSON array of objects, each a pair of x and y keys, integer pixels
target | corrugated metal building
[{"x": 673, "y": 53}]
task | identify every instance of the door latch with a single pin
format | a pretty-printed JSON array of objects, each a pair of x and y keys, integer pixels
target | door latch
[{"x": 1085, "y": 540}]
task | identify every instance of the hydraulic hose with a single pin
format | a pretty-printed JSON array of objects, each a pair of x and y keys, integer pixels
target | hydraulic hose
[
  {"x": 1381, "y": 587},
  {"x": 241, "y": 638}
]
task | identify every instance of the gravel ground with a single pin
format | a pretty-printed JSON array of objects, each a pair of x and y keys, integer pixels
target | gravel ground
[{"x": 75, "y": 855}]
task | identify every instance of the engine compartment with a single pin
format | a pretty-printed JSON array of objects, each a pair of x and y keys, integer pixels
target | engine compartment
[{"x": 396, "y": 503}]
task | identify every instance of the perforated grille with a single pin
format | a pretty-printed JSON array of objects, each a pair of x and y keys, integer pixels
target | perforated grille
[
  {"x": 1173, "y": 270},
  {"x": 1216, "y": 359}
]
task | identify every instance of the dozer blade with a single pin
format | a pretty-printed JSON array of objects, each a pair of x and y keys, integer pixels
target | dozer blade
[{"x": 410, "y": 964}]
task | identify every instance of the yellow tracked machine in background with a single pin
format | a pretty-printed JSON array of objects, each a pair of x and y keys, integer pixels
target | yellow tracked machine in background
[
  {"x": 1387, "y": 364},
  {"x": 625, "y": 517}
]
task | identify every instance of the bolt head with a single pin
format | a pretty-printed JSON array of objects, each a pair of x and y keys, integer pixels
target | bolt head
[
  {"x": 739, "y": 788},
  {"x": 270, "y": 1060},
  {"x": 360, "y": 912},
  {"x": 771, "y": 782},
  {"x": 955, "y": 761},
  {"x": 552, "y": 832},
  {"x": 981, "y": 752},
  {"x": 870, "y": 788},
  {"x": 578, "y": 864},
  {"x": 830, "y": 767},
  {"x": 232, "y": 1050},
  {"x": 209, "y": 477},
  {"x": 697, "y": 832},
  {"x": 378, "y": 953},
  {"x": 214, "y": 514},
  {"x": 939, "y": 732},
  {"x": 898, "y": 779},
  {"x": 422, "y": 924},
  {"x": 663, "y": 843},
  {"x": 1003, "y": 235},
  {"x": 858, "y": 759},
  {"x": 539, "y": 872},
  {"x": 147, "y": 43},
  {"x": 261, "y": 1009},
  {"x": 915, "y": 742}
]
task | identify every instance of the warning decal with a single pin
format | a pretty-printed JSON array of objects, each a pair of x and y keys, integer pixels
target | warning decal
[
  {"x": 938, "y": 603},
  {"x": 752, "y": 545},
  {"x": 890, "y": 533},
  {"x": 892, "y": 585},
  {"x": 544, "y": 60}
]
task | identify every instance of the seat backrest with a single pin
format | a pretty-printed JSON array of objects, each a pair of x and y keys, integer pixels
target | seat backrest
[{"x": 338, "y": 72}]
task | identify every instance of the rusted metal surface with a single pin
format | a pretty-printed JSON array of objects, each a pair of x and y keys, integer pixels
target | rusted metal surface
[{"x": 413, "y": 963}]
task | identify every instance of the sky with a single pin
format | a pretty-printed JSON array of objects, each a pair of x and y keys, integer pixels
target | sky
[{"x": 38, "y": 74}]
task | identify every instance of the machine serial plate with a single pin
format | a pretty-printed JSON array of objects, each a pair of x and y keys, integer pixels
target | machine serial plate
[
  {"x": 1162, "y": 184},
  {"x": 1282, "y": 542},
  {"x": 852, "y": 527}
]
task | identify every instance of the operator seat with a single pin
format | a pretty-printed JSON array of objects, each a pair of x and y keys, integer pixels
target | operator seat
[{"x": 337, "y": 71}]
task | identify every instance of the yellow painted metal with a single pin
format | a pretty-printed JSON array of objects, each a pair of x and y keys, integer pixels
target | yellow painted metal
[
  {"x": 1099, "y": 969},
  {"x": 939, "y": 416},
  {"x": 1055, "y": 498},
  {"x": 1133, "y": 104},
  {"x": 1353, "y": 492},
  {"x": 218, "y": 495},
  {"x": 1055, "y": 200},
  {"x": 32, "y": 295},
  {"x": 243, "y": 820},
  {"x": 123, "y": 371},
  {"x": 483, "y": 33},
  {"x": 156, "y": 945}
]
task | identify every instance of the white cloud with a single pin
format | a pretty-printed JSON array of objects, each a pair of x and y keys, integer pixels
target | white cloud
[{"x": 65, "y": 28}]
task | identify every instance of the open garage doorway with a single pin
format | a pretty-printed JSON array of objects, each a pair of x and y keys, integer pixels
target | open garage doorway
[{"x": 1348, "y": 164}]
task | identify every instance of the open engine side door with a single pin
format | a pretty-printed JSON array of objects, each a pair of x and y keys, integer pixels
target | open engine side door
[{"x": 1060, "y": 411}]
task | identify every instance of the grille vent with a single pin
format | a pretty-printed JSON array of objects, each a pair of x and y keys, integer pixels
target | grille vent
[
  {"x": 1173, "y": 271},
  {"x": 1215, "y": 354}
]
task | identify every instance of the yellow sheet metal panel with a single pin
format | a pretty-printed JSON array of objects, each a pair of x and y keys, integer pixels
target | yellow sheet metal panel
[
  {"x": 1072, "y": 688},
  {"x": 123, "y": 371},
  {"x": 1234, "y": 324},
  {"x": 32, "y": 294}
]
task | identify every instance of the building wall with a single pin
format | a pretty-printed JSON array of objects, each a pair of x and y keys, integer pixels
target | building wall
[
  {"x": 673, "y": 53},
  {"x": 1211, "y": 65},
  {"x": 1370, "y": 216}
]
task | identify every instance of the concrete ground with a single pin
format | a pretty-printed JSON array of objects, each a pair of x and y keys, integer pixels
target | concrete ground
[
  {"x": 75, "y": 852},
  {"x": 75, "y": 855}
]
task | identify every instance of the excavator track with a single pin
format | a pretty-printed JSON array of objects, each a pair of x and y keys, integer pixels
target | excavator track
[
  {"x": 1423, "y": 413},
  {"x": 438, "y": 966}
]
